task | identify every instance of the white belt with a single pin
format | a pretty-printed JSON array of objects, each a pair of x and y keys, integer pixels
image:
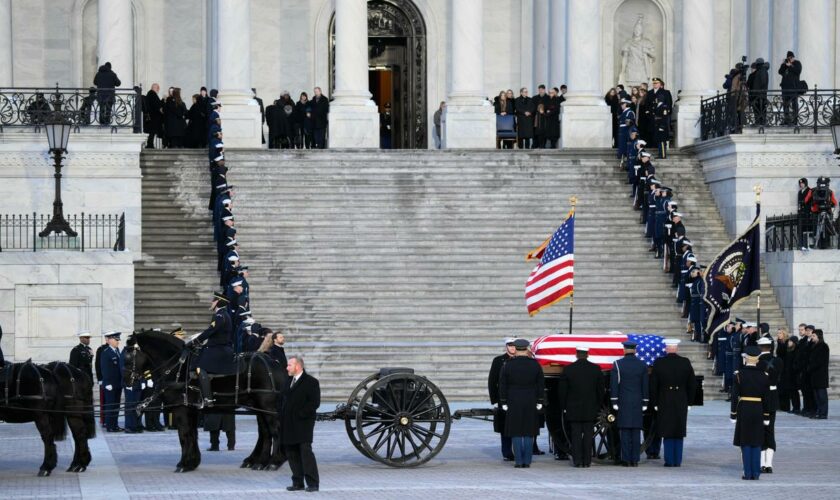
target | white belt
[{"x": 772, "y": 387}]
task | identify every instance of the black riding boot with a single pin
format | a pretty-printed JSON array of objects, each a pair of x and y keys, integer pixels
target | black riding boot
[
  {"x": 231, "y": 440},
  {"x": 214, "y": 441},
  {"x": 206, "y": 390}
]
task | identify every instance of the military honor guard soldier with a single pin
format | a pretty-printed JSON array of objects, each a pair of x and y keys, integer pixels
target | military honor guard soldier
[
  {"x": 672, "y": 387},
  {"x": 81, "y": 356},
  {"x": 493, "y": 388},
  {"x": 521, "y": 394},
  {"x": 111, "y": 364},
  {"x": 773, "y": 367},
  {"x": 582, "y": 392},
  {"x": 750, "y": 411},
  {"x": 629, "y": 396}
]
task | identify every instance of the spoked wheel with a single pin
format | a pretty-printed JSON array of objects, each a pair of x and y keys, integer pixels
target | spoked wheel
[
  {"x": 353, "y": 409},
  {"x": 605, "y": 438},
  {"x": 403, "y": 420}
]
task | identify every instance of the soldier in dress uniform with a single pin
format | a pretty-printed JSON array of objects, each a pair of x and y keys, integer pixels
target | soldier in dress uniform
[
  {"x": 633, "y": 149},
  {"x": 112, "y": 372},
  {"x": 216, "y": 356},
  {"x": 735, "y": 340},
  {"x": 81, "y": 356},
  {"x": 773, "y": 367},
  {"x": 750, "y": 411},
  {"x": 629, "y": 397},
  {"x": 582, "y": 392},
  {"x": 660, "y": 212},
  {"x": 133, "y": 425},
  {"x": 724, "y": 353},
  {"x": 493, "y": 388},
  {"x": 521, "y": 394},
  {"x": 697, "y": 311},
  {"x": 660, "y": 102},
  {"x": 626, "y": 121},
  {"x": 97, "y": 368},
  {"x": 672, "y": 386}
]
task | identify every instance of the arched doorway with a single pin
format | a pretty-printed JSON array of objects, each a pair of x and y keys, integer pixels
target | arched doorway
[{"x": 397, "y": 67}]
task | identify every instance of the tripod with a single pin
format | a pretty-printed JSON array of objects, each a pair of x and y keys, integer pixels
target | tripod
[{"x": 825, "y": 230}]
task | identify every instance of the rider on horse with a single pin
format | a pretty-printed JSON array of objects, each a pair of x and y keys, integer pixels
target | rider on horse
[{"x": 216, "y": 355}]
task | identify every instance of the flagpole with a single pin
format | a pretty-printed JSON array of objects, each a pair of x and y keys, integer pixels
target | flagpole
[
  {"x": 573, "y": 199},
  {"x": 757, "y": 188}
]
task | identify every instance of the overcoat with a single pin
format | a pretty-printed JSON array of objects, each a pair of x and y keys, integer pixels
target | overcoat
[
  {"x": 672, "y": 387},
  {"x": 629, "y": 390},
  {"x": 521, "y": 388},
  {"x": 583, "y": 391},
  {"x": 298, "y": 406}
]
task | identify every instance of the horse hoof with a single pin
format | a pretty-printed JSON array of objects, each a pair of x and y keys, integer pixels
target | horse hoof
[
  {"x": 44, "y": 473},
  {"x": 81, "y": 468},
  {"x": 178, "y": 470},
  {"x": 72, "y": 468},
  {"x": 245, "y": 465},
  {"x": 274, "y": 467}
]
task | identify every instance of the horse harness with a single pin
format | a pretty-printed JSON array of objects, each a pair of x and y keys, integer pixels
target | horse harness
[{"x": 8, "y": 372}]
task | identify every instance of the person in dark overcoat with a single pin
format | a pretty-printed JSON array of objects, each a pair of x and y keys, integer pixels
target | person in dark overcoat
[
  {"x": 583, "y": 392},
  {"x": 105, "y": 82},
  {"x": 803, "y": 361},
  {"x": 196, "y": 133},
  {"x": 493, "y": 388},
  {"x": 81, "y": 356},
  {"x": 818, "y": 373},
  {"x": 320, "y": 118},
  {"x": 299, "y": 403},
  {"x": 660, "y": 103},
  {"x": 525, "y": 109},
  {"x": 750, "y": 411},
  {"x": 790, "y": 71},
  {"x": 672, "y": 387},
  {"x": 521, "y": 394},
  {"x": 175, "y": 119},
  {"x": 216, "y": 356},
  {"x": 112, "y": 374},
  {"x": 773, "y": 367},
  {"x": 153, "y": 115},
  {"x": 552, "y": 120},
  {"x": 629, "y": 397}
]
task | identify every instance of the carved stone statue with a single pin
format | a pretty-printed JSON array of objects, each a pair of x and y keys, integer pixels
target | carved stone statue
[{"x": 637, "y": 56}]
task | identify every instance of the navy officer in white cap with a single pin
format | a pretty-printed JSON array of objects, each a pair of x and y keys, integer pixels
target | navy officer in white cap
[{"x": 672, "y": 388}]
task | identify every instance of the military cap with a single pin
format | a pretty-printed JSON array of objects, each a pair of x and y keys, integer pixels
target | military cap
[
  {"x": 764, "y": 341},
  {"x": 750, "y": 324},
  {"x": 220, "y": 297},
  {"x": 672, "y": 341},
  {"x": 739, "y": 320},
  {"x": 112, "y": 335},
  {"x": 657, "y": 80},
  {"x": 510, "y": 341},
  {"x": 521, "y": 344},
  {"x": 752, "y": 351},
  {"x": 221, "y": 157},
  {"x": 231, "y": 243},
  {"x": 645, "y": 154},
  {"x": 238, "y": 282},
  {"x": 687, "y": 243},
  {"x": 582, "y": 348},
  {"x": 83, "y": 333},
  {"x": 248, "y": 321},
  {"x": 629, "y": 344},
  {"x": 233, "y": 258},
  {"x": 676, "y": 214},
  {"x": 691, "y": 258},
  {"x": 643, "y": 142}
]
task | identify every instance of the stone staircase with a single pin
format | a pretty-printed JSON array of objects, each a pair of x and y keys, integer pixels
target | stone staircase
[{"x": 415, "y": 258}]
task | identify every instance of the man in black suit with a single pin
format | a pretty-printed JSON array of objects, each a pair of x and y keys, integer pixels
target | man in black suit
[
  {"x": 583, "y": 393},
  {"x": 301, "y": 400}
]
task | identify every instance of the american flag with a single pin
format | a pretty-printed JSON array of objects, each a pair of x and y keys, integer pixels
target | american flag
[
  {"x": 553, "y": 278},
  {"x": 603, "y": 348}
]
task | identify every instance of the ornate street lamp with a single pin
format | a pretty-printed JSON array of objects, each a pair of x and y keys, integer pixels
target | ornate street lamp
[{"x": 58, "y": 135}]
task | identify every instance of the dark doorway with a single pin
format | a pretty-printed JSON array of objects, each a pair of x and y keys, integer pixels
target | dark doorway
[{"x": 397, "y": 68}]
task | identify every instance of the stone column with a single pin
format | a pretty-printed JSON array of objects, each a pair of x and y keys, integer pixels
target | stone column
[
  {"x": 541, "y": 33},
  {"x": 816, "y": 32},
  {"x": 6, "y": 79},
  {"x": 586, "y": 121},
  {"x": 470, "y": 121},
  {"x": 557, "y": 36},
  {"x": 241, "y": 120},
  {"x": 698, "y": 68},
  {"x": 354, "y": 117},
  {"x": 784, "y": 30},
  {"x": 115, "y": 43}
]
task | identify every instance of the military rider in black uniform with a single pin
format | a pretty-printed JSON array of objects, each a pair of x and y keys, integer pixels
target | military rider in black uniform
[
  {"x": 216, "y": 356},
  {"x": 81, "y": 356}
]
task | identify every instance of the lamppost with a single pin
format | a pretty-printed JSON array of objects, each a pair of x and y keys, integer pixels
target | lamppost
[{"x": 58, "y": 135}]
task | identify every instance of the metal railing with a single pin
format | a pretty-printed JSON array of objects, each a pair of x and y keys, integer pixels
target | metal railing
[
  {"x": 730, "y": 113},
  {"x": 19, "y": 232},
  {"x": 794, "y": 232},
  {"x": 33, "y": 106}
]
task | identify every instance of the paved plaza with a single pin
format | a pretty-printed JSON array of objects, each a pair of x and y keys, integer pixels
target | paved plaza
[{"x": 140, "y": 466}]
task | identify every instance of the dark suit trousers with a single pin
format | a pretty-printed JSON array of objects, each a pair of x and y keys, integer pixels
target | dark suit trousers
[
  {"x": 303, "y": 464},
  {"x": 582, "y": 442}
]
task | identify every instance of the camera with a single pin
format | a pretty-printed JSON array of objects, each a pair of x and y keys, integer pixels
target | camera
[{"x": 822, "y": 194}]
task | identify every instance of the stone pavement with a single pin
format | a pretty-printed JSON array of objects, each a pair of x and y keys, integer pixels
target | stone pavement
[{"x": 140, "y": 466}]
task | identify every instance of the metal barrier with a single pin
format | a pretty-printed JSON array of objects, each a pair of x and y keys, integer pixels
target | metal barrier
[
  {"x": 19, "y": 232},
  {"x": 33, "y": 106},
  {"x": 730, "y": 113},
  {"x": 794, "y": 232}
]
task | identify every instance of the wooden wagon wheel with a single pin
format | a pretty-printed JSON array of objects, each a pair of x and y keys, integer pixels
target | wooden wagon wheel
[
  {"x": 605, "y": 437},
  {"x": 403, "y": 420},
  {"x": 353, "y": 409}
]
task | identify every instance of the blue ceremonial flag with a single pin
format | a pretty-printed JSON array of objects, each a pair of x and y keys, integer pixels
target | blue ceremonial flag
[
  {"x": 649, "y": 348},
  {"x": 733, "y": 276}
]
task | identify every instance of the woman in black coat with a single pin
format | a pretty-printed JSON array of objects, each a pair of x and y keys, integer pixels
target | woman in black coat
[
  {"x": 196, "y": 136},
  {"x": 612, "y": 101},
  {"x": 818, "y": 373},
  {"x": 792, "y": 375},
  {"x": 175, "y": 119},
  {"x": 552, "y": 120},
  {"x": 521, "y": 394}
]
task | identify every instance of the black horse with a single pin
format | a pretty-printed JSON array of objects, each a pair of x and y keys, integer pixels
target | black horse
[
  {"x": 31, "y": 393},
  {"x": 76, "y": 389},
  {"x": 257, "y": 388}
]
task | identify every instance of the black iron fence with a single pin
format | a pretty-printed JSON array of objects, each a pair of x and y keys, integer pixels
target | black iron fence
[
  {"x": 94, "y": 232},
  {"x": 794, "y": 232},
  {"x": 32, "y": 107},
  {"x": 732, "y": 112}
]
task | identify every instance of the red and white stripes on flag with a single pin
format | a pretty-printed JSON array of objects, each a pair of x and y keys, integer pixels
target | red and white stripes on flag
[{"x": 553, "y": 278}]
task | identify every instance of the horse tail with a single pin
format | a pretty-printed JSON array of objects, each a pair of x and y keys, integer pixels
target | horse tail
[
  {"x": 88, "y": 418},
  {"x": 58, "y": 419}
]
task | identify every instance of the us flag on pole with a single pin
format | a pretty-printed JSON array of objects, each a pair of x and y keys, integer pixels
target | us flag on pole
[{"x": 553, "y": 278}]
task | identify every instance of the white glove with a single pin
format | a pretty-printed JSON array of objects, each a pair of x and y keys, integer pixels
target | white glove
[
  {"x": 644, "y": 408},
  {"x": 766, "y": 422},
  {"x": 127, "y": 388},
  {"x": 504, "y": 407},
  {"x": 615, "y": 407},
  {"x": 732, "y": 420},
  {"x": 150, "y": 384},
  {"x": 689, "y": 408},
  {"x": 142, "y": 386},
  {"x": 539, "y": 406},
  {"x": 656, "y": 408},
  {"x": 109, "y": 387},
  {"x": 100, "y": 382}
]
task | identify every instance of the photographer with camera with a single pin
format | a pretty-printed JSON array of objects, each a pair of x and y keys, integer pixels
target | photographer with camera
[
  {"x": 822, "y": 201},
  {"x": 757, "y": 82},
  {"x": 736, "y": 103},
  {"x": 790, "y": 71}
]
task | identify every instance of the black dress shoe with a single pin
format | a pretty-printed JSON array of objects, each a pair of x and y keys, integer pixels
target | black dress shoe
[
  {"x": 231, "y": 447},
  {"x": 517, "y": 466},
  {"x": 768, "y": 470},
  {"x": 507, "y": 459},
  {"x": 526, "y": 466},
  {"x": 538, "y": 452},
  {"x": 578, "y": 466},
  {"x": 311, "y": 489},
  {"x": 625, "y": 464},
  {"x": 653, "y": 457},
  {"x": 745, "y": 478},
  {"x": 133, "y": 431},
  {"x": 586, "y": 466},
  {"x": 295, "y": 488},
  {"x": 213, "y": 447}
]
